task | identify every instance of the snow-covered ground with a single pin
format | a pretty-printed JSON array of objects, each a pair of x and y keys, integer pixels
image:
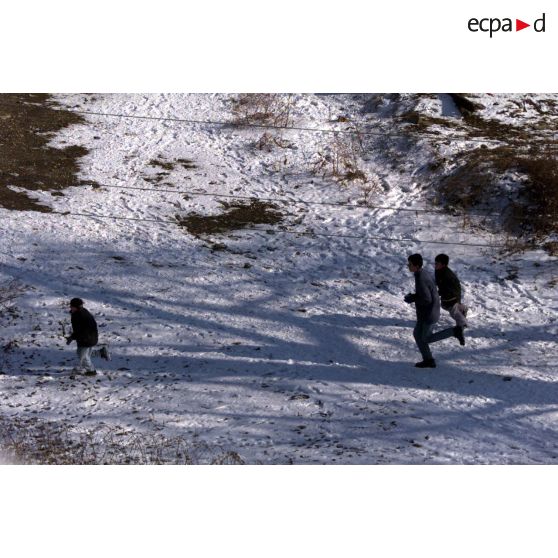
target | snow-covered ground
[{"x": 284, "y": 348}]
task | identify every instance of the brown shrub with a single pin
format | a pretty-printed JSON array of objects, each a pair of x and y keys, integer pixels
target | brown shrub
[
  {"x": 541, "y": 190},
  {"x": 262, "y": 109},
  {"x": 340, "y": 159},
  {"x": 533, "y": 209}
]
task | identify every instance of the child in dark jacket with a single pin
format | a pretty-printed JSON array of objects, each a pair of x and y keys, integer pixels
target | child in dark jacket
[
  {"x": 86, "y": 335},
  {"x": 449, "y": 288}
]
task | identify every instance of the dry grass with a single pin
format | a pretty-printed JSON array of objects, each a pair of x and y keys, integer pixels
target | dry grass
[
  {"x": 32, "y": 441},
  {"x": 262, "y": 108},
  {"x": 269, "y": 141},
  {"x": 8, "y": 294},
  {"x": 474, "y": 126},
  {"x": 551, "y": 248},
  {"x": 27, "y": 123},
  {"x": 541, "y": 192},
  {"x": 532, "y": 211},
  {"x": 517, "y": 174},
  {"x": 340, "y": 159}
]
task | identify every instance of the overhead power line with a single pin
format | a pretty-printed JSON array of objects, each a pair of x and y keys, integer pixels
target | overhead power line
[
  {"x": 283, "y": 230},
  {"x": 232, "y": 124},
  {"x": 296, "y": 201}
]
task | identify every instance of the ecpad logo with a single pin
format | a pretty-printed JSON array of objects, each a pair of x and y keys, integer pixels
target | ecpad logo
[{"x": 493, "y": 25}]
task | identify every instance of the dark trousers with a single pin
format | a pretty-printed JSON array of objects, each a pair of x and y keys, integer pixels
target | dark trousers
[
  {"x": 422, "y": 334},
  {"x": 439, "y": 335}
]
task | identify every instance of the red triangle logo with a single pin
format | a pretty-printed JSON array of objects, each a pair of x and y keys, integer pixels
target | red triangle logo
[{"x": 519, "y": 25}]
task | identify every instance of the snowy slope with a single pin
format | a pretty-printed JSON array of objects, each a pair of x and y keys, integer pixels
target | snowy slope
[{"x": 284, "y": 348}]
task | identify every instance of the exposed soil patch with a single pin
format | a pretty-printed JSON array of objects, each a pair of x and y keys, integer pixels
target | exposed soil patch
[
  {"x": 465, "y": 105},
  {"x": 167, "y": 167},
  {"x": 237, "y": 215},
  {"x": 27, "y": 124},
  {"x": 472, "y": 126},
  {"x": 496, "y": 130},
  {"x": 186, "y": 164},
  {"x": 424, "y": 122},
  {"x": 171, "y": 165}
]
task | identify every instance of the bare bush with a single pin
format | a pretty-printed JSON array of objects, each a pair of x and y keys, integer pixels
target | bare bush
[
  {"x": 369, "y": 188},
  {"x": 340, "y": 158},
  {"x": 8, "y": 294},
  {"x": 268, "y": 141},
  {"x": 263, "y": 109}
]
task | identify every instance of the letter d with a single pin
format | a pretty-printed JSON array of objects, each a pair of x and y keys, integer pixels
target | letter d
[{"x": 535, "y": 25}]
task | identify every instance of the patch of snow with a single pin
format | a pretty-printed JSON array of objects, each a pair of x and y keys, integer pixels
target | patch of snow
[{"x": 304, "y": 356}]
